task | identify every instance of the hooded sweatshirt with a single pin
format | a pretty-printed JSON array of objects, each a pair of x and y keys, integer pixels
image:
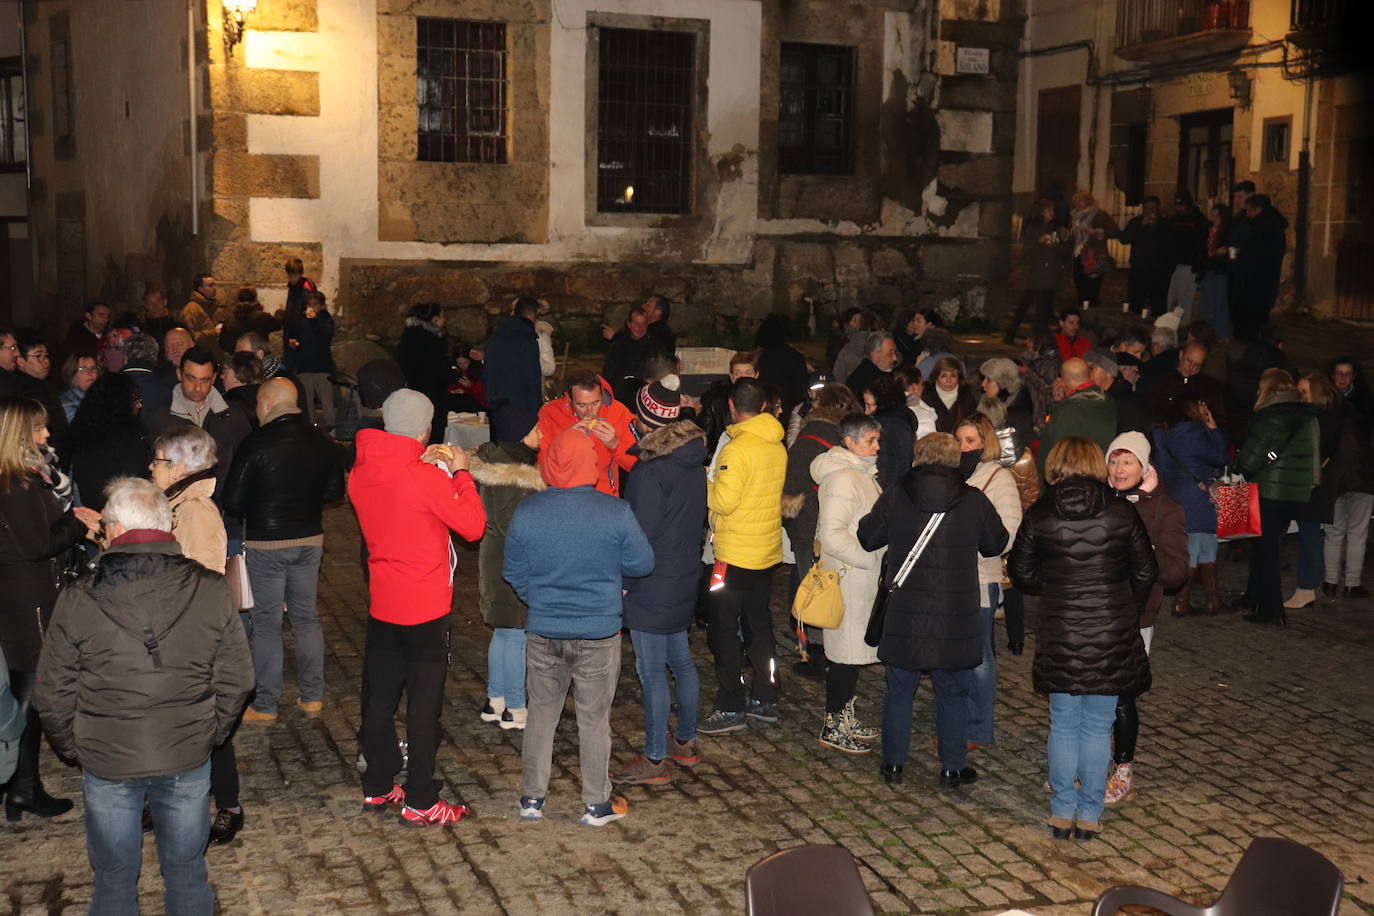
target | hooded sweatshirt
[
  {"x": 406, "y": 509},
  {"x": 569, "y": 547}
]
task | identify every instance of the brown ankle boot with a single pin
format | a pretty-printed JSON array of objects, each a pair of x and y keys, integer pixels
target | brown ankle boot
[
  {"x": 1182, "y": 601},
  {"x": 1215, "y": 605}
]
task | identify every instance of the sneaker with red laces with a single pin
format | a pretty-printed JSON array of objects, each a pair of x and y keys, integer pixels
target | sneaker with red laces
[
  {"x": 397, "y": 796},
  {"x": 440, "y": 815}
]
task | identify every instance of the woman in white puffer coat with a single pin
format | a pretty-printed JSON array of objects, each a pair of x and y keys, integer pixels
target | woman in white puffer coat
[{"x": 848, "y": 487}]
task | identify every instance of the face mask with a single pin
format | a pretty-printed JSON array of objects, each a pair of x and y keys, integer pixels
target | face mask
[
  {"x": 968, "y": 463},
  {"x": 871, "y": 459}
]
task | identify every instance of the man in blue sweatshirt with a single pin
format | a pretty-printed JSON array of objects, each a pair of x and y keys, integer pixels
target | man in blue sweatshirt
[{"x": 567, "y": 551}]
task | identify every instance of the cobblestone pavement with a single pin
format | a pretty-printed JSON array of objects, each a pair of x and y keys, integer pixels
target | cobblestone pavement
[{"x": 1248, "y": 732}]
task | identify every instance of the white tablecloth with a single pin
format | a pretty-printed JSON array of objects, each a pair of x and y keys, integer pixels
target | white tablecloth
[{"x": 468, "y": 433}]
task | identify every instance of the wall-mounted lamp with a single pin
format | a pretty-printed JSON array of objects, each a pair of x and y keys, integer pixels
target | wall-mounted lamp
[
  {"x": 1240, "y": 87},
  {"x": 235, "y": 18}
]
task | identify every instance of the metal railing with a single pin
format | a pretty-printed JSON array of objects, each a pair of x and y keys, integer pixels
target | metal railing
[
  {"x": 1316, "y": 14},
  {"x": 1144, "y": 21}
]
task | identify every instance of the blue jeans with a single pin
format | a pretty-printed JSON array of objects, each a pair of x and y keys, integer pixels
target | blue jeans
[
  {"x": 181, "y": 826},
  {"x": 654, "y": 654},
  {"x": 506, "y": 666},
  {"x": 1080, "y": 747},
  {"x": 951, "y": 715},
  {"x": 1202, "y": 548},
  {"x": 286, "y": 577},
  {"x": 982, "y": 696},
  {"x": 1309, "y": 554},
  {"x": 1216, "y": 311}
]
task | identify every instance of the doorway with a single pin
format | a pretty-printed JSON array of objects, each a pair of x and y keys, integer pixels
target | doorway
[
  {"x": 1056, "y": 143},
  {"x": 1205, "y": 164}
]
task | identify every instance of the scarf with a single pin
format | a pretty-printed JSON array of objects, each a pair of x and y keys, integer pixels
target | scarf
[
  {"x": 53, "y": 475},
  {"x": 1083, "y": 228},
  {"x": 270, "y": 366}
]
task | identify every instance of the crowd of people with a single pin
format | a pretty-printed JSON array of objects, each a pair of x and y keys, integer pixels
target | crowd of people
[{"x": 162, "y": 512}]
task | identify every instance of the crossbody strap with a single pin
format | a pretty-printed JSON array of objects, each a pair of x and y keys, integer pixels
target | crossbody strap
[{"x": 917, "y": 549}]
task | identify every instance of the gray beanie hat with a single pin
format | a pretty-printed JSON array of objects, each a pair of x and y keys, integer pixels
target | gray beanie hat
[
  {"x": 1004, "y": 372},
  {"x": 407, "y": 413}
]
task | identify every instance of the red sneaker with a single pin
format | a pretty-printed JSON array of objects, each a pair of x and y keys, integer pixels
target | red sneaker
[
  {"x": 397, "y": 796},
  {"x": 440, "y": 815}
]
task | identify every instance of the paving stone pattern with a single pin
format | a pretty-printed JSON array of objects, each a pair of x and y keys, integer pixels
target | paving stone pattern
[{"x": 1248, "y": 732}]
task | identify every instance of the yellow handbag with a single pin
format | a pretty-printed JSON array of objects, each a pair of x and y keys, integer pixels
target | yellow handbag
[{"x": 819, "y": 602}]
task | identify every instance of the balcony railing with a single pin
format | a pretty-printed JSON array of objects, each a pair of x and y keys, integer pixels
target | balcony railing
[
  {"x": 1321, "y": 14},
  {"x": 1141, "y": 24}
]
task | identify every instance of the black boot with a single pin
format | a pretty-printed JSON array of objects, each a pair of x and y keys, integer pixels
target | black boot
[
  {"x": 816, "y": 666},
  {"x": 30, "y": 797}
]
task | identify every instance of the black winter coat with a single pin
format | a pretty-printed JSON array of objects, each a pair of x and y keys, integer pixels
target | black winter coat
[
  {"x": 512, "y": 380},
  {"x": 228, "y": 428},
  {"x": 122, "y": 453},
  {"x": 282, "y": 475},
  {"x": 784, "y": 368},
  {"x": 667, "y": 491},
  {"x": 947, "y": 418},
  {"x": 934, "y": 621},
  {"x": 898, "y": 443},
  {"x": 715, "y": 413},
  {"x": 428, "y": 368},
  {"x": 35, "y": 535},
  {"x": 506, "y": 473},
  {"x": 1089, "y": 557}
]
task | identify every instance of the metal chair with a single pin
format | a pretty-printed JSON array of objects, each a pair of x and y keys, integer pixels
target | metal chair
[
  {"x": 807, "y": 881},
  {"x": 1273, "y": 878}
]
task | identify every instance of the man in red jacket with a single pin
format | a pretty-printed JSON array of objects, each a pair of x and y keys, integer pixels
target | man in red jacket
[
  {"x": 588, "y": 404},
  {"x": 408, "y": 498}
]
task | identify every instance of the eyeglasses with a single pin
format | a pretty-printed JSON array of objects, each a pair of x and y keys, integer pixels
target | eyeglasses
[
  {"x": 167, "y": 461},
  {"x": 88, "y": 369},
  {"x": 10, "y": 347},
  {"x": 35, "y": 354}
]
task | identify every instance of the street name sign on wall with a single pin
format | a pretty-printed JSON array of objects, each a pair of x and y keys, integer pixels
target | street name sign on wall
[{"x": 971, "y": 60}]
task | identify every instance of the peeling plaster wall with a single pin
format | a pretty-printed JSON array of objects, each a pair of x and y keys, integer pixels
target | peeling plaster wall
[{"x": 312, "y": 145}]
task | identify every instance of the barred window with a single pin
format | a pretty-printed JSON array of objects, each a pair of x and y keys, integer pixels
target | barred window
[
  {"x": 645, "y": 86},
  {"x": 13, "y": 145},
  {"x": 461, "y": 90},
  {"x": 816, "y": 110}
]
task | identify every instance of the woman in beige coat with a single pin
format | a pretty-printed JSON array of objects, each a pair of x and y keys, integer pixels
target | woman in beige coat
[
  {"x": 847, "y": 478},
  {"x": 980, "y": 451},
  {"x": 184, "y": 469}
]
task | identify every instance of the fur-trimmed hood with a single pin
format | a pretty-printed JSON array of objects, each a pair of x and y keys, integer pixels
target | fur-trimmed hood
[
  {"x": 665, "y": 441},
  {"x": 492, "y": 465}
]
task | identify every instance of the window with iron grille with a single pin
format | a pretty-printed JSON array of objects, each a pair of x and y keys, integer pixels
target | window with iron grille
[
  {"x": 816, "y": 110},
  {"x": 1277, "y": 134},
  {"x": 12, "y": 123},
  {"x": 645, "y": 86},
  {"x": 461, "y": 90}
]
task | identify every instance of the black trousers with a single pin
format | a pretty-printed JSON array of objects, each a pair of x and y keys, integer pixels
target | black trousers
[
  {"x": 741, "y": 608},
  {"x": 840, "y": 681},
  {"x": 1124, "y": 730},
  {"x": 1266, "y": 562},
  {"x": 1148, "y": 289},
  {"x": 1014, "y": 616},
  {"x": 1043, "y": 302},
  {"x": 224, "y": 775},
  {"x": 413, "y": 659},
  {"x": 1089, "y": 288}
]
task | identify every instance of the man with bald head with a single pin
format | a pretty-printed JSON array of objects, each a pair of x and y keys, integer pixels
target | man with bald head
[
  {"x": 1187, "y": 381},
  {"x": 281, "y": 477},
  {"x": 1084, "y": 410},
  {"x": 174, "y": 344}
]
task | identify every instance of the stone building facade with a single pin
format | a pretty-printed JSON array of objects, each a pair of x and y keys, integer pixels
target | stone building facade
[
  {"x": 787, "y": 156},
  {"x": 1128, "y": 98}
]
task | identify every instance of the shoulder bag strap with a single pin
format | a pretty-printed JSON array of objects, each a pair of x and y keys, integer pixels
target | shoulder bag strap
[{"x": 917, "y": 549}]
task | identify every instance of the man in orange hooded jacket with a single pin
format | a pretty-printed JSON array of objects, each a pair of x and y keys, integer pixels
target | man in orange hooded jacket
[{"x": 588, "y": 404}]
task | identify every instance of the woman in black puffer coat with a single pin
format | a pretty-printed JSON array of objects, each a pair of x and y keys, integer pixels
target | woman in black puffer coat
[
  {"x": 934, "y": 621},
  {"x": 1089, "y": 556}
]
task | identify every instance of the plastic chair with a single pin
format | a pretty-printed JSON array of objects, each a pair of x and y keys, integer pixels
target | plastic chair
[
  {"x": 1273, "y": 878},
  {"x": 807, "y": 881}
]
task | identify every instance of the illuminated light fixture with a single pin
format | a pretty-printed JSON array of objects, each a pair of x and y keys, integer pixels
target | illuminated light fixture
[
  {"x": 629, "y": 194},
  {"x": 235, "y": 20}
]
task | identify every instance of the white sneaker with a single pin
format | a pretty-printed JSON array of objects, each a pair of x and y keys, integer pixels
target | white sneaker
[
  {"x": 514, "y": 718},
  {"x": 493, "y": 710}
]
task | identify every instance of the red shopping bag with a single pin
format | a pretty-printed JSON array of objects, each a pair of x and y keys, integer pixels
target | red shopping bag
[{"x": 1238, "y": 513}]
